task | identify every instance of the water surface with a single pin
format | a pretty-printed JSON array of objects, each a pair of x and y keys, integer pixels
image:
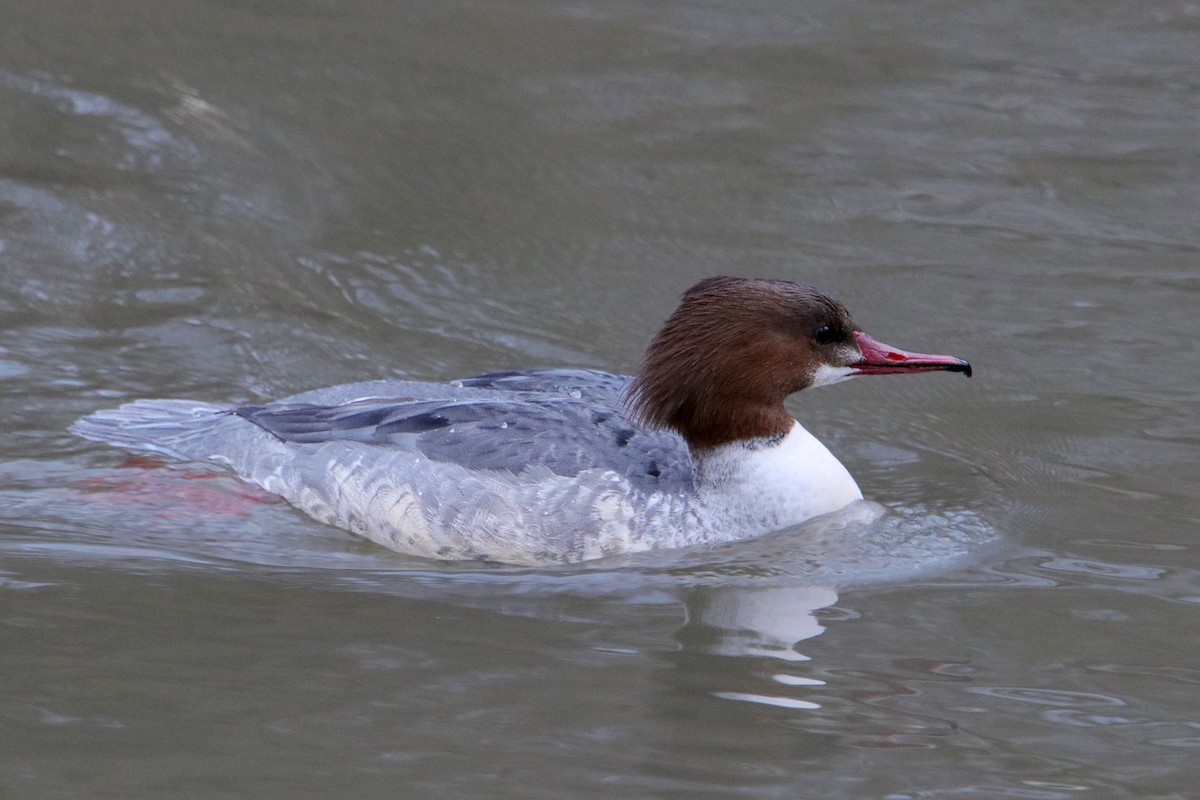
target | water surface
[{"x": 236, "y": 201}]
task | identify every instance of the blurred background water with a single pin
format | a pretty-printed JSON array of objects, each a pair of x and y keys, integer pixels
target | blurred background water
[{"x": 242, "y": 199}]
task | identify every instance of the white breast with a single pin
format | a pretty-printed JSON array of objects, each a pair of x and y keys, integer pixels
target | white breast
[{"x": 759, "y": 487}]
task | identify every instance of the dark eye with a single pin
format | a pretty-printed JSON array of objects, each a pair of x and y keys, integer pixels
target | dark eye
[{"x": 827, "y": 334}]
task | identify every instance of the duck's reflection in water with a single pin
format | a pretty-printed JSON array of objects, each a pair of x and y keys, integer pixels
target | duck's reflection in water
[{"x": 761, "y": 623}]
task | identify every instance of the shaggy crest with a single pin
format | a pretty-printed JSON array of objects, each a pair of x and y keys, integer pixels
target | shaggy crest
[{"x": 735, "y": 348}]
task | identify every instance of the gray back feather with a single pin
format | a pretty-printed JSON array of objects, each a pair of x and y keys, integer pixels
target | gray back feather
[{"x": 565, "y": 421}]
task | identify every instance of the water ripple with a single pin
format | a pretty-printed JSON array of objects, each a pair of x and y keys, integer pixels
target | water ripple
[{"x": 1047, "y": 697}]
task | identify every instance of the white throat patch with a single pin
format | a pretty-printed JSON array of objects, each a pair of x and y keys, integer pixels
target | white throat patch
[{"x": 826, "y": 375}]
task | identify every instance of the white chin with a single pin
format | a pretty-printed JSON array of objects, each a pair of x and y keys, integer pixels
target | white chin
[{"x": 825, "y": 375}]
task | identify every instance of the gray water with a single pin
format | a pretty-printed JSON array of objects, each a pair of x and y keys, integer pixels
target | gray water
[{"x": 235, "y": 201}]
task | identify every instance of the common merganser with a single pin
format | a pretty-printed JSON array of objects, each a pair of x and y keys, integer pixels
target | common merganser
[{"x": 560, "y": 465}]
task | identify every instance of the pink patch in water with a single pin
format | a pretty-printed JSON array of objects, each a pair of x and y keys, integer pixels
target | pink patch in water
[{"x": 174, "y": 493}]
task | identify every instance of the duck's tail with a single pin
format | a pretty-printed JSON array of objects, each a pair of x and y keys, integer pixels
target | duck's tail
[{"x": 177, "y": 429}]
